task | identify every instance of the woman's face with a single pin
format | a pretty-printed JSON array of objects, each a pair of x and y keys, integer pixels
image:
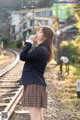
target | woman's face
[{"x": 40, "y": 36}]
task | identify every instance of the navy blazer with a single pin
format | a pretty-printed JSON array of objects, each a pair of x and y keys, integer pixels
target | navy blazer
[{"x": 35, "y": 63}]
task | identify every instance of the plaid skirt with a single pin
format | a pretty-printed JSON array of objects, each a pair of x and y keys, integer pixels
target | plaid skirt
[{"x": 34, "y": 96}]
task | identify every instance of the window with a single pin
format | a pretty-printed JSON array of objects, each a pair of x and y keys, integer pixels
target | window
[
  {"x": 13, "y": 29},
  {"x": 48, "y": 13},
  {"x": 24, "y": 26},
  {"x": 44, "y": 13}
]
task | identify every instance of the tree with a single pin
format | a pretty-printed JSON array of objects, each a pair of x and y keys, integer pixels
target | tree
[
  {"x": 77, "y": 14},
  {"x": 18, "y": 4},
  {"x": 70, "y": 50},
  {"x": 10, "y": 4},
  {"x": 77, "y": 8}
]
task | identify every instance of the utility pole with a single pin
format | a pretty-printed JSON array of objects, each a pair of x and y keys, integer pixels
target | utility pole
[{"x": 33, "y": 18}]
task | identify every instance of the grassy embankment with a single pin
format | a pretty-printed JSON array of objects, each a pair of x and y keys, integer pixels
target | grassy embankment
[{"x": 67, "y": 87}]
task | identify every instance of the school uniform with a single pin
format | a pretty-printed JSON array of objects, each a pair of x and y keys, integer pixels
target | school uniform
[{"x": 35, "y": 94}]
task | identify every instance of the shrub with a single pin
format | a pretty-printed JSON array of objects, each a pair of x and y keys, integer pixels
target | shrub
[
  {"x": 5, "y": 40},
  {"x": 70, "y": 50},
  {"x": 77, "y": 39},
  {"x": 19, "y": 44}
]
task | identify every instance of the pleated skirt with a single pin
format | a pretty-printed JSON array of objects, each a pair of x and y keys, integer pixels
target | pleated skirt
[{"x": 34, "y": 96}]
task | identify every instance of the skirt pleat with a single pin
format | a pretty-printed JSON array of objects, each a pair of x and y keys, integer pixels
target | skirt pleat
[{"x": 34, "y": 96}]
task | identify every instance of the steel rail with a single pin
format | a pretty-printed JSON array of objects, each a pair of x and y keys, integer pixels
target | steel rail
[
  {"x": 6, "y": 113},
  {"x": 10, "y": 108},
  {"x": 11, "y": 65}
]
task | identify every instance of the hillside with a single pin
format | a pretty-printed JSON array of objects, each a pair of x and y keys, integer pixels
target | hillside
[{"x": 18, "y": 4}]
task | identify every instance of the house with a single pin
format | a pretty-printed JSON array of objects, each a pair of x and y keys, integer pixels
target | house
[{"x": 24, "y": 22}]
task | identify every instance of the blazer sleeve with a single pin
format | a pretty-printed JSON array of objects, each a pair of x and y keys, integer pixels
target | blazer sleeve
[{"x": 34, "y": 55}]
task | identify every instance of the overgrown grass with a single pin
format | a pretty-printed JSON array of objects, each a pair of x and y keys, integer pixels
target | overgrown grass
[
  {"x": 77, "y": 72},
  {"x": 68, "y": 86}
]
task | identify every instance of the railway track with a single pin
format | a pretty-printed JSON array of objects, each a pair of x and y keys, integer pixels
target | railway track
[
  {"x": 10, "y": 89},
  {"x": 6, "y": 59}
]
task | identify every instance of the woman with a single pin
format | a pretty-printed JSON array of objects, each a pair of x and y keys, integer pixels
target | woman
[{"x": 35, "y": 95}]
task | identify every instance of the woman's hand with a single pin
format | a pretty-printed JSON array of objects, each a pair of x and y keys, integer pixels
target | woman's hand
[{"x": 32, "y": 37}]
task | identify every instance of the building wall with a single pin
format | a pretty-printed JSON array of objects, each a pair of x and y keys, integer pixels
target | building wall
[{"x": 25, "y": 21}]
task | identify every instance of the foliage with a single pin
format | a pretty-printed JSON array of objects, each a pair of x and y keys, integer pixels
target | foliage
[
  {"x": 10, "y": 4},
  {"x": 17, "y": 44},
  {"x": 77, "y": 13},
  {"x": 62, "y": 12},
  {"x": 19, "y": 4},
  {"x": 77, "y": 39},
  {"x": 4, "y": 14},
  {"x": 11, "y": 44},
  {"x": 44, "y": 3},
  {"x": 77, "y": 7},
  {"x": 71, "y": 50},
  {"x": 5, "y": 40}
]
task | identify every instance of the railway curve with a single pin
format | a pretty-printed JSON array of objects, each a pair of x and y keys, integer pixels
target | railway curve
[{"x": 10, "y": 89}]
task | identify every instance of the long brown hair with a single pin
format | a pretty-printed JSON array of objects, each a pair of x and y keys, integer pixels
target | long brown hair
[{"x": 49, "y": 35}]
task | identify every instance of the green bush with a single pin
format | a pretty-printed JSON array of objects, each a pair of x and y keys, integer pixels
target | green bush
[
  {"x": 77, "y": 39},
  {"x": 78, "y": 52},
  {"x": 12, "y": 44},
  {"x": 5, "y": 40},
  {"x": 71, "y": 50},
  {"x": 19, "y": 44}
]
